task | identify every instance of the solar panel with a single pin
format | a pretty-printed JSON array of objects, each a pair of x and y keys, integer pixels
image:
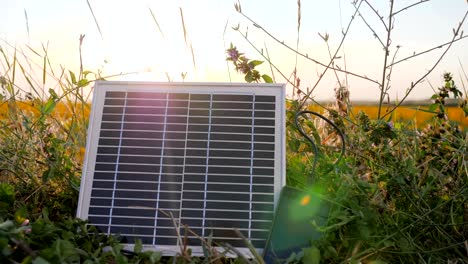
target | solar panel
[{"x": 162, "y": 156}]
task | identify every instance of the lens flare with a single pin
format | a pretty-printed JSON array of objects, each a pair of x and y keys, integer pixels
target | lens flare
[{"x": 305, "y": 200}]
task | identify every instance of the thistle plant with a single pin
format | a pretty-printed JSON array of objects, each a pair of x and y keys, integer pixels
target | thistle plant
[{"x": 246, "y": 66}]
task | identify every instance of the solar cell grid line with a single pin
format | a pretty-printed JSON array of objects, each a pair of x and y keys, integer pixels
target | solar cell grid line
[
  {"x": 184, "y": 172},
  {"x": 116, "y": 169},
  {"x": 156, "y": 212},
  {"x": 251, "y": 167},
  {"x": 207, "y": 168}
]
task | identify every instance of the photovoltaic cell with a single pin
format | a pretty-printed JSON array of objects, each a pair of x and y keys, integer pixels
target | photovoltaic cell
[{"x": 165, "y": 159}]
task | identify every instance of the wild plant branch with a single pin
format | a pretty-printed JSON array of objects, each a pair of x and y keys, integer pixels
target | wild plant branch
[
  {"x": 370, "y": 27},
  {"x": 270, "y": 62},
  {"x": 280, "y": 72},
  {"x": 414, "y": 84},
  {"x": 408, "y": 7},
  {"x": 332, "y": 60},
  {"x": 389, "y": 75},
  {"x": 306, "y": 56},
  {"x": 377, "y": 13},
  {"x": 429, "y": 50},
  {"x": 386, "y": 50}
]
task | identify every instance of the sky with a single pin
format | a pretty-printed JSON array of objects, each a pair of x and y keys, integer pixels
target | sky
[{"x": 130, "y": 41}]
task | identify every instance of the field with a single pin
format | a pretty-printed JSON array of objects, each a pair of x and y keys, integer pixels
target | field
[{"x": 410, "y": 115}]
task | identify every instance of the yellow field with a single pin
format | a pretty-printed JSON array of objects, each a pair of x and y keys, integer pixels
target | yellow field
[
  {"x": 62, "y": 111},
  {"x": 409, "y": 114}
]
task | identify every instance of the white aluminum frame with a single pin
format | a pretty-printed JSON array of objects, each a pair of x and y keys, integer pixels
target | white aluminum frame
[{"x": 101, "y": 87}]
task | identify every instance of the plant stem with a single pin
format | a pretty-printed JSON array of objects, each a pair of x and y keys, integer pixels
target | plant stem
[
  {"x": 386, "y": 49},
  {"x": 306, "y": 56},
  {"x": 413, "y": 84}
]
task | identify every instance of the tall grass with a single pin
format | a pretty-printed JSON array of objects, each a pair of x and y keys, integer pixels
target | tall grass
[{"x": 42, "y": 134}]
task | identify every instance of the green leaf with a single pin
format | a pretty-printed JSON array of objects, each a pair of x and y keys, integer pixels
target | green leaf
[
  {"x": 7, "y": 193},
  {"x": 138, "y": 246},
  {"x": 72, "y": 76},
  {"x": 65, "y": 250},
  {"x": 85, "y": 73},
  {"x": 255, "y": 63},
  {"x": 155, "y": 257},
  {"x": 311, "y": 255},
  {"x": 53, "y": 94},
  {"x": 5, "y": 248},
  {"x": 248, "y": 77},
  {"x": 432, "y": 108},
  {"x": 332, "y": 251},
  {"x": 378, "y": 261},
  {"x": 40, "y": 260},
  {"x": 267, "y": 78},
  {"x": 291, "y": 258},
  {"x": 49, "y": 106},
  {"x": 7, "y": 225},
  {"x": 82, "y": 83},
  {"x": 44, "y": 71}
]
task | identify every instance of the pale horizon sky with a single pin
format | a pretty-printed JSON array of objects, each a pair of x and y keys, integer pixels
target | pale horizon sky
[{"x": 131, "y": 42}]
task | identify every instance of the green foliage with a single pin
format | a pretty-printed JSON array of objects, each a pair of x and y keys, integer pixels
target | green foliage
[
  {"x": 40, "y": 142},
  {"x": 399, "y": 196},
  {"x": 7, "y": 197},
  {"x": 402, "y": 197},
  {"x": 67, "y": 241}
]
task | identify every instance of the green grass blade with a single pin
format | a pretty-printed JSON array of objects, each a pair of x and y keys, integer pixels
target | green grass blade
[{"x": 44, "y": 65}]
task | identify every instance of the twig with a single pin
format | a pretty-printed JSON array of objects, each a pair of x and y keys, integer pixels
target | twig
[
  {"x": 297, "y": 40},
  {"x": 426, "y": 51},
  {"x": 281, "y": 73},
  {"x": 370, "y": 27},
  {"x": 224, "y": 43},
  {"x": 387, "y": 88},
  {"x": 271, "y": 63},
  {"x": 344, "y": 52},
  {"x": 384, "y": 70},
  {"x": 336, "y": 74},
  {"x": 377, "y": 13},
  {"x": 405, "y": 8},
  {"x": 334, "y": 56},
  {"x": 302, "y": 54},
  {"x": 456, "y": 32}
]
